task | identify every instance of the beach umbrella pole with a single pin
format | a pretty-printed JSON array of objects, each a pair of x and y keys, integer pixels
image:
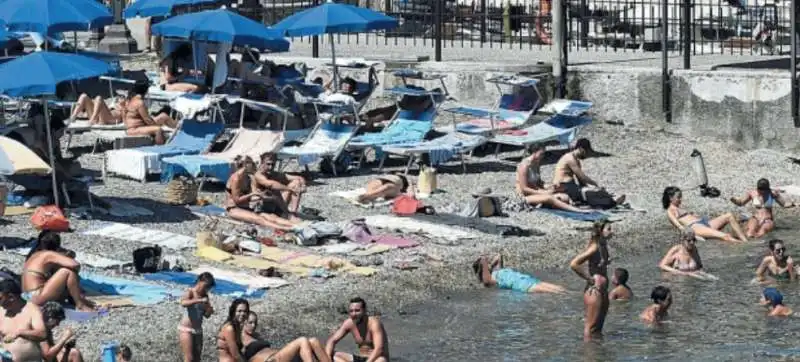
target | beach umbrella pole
[
  {"x": 335, "y": 67},
  {"x": 50, "y": 149}
]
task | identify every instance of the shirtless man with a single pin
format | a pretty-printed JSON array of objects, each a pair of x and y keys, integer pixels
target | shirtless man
[
  {"x": 368, "y": 333},
  {"x": 595, "y": 295},
  {"x": 568, "y": 175},
  {"x": 137, "y": 119},
  {"x": 21, "y": 324},
  {"x": 621, "y": 291},
  {"x": 657, "y": 312}
]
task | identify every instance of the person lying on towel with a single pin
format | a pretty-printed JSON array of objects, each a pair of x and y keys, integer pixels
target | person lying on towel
[
  {"x": 386, "y": 187},
  {"x": 245, "y": 203},
  {"x": 50, "y": 275},
  {"x": 285, "y": 189},
  {"x": 492, "y": 273},
  {"x": 569, "y": 178},
  {"x": 138, "y": 120}
]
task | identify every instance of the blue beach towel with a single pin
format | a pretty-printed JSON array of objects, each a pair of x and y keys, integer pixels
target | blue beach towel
[
  {"x": 407, "y": 128},
  {"x": 208, "y": 210},
  {"x": 223, "y": 287},
  {"x": 591, "y": 217},
  {"x": 141, "y": 293}
]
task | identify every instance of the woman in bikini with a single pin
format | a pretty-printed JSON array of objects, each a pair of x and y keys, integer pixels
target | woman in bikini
[
  {"x": 190, "y": 328},
  {"x": 386, "y": 187},
  {"x": 63, "y": 349},
  {"x": 684, "y": 258},
  {"x": 49, "y": 275},
  {"x": 229, "y": 339},
  {"x": 171, "y": 69},
  {"x": 97, "y": 111},
  {"x": 595, "y": 295},
  {"x": 763, "y": 199},
  {"x": 531, "y": 188},
  {"x": 777, "y": 265},
  {"x": 138, "y": 121},
  {"x": 260, "y": 350},
  {"x": 703, "y": 227},
  {"x": 241, "y": 196}
]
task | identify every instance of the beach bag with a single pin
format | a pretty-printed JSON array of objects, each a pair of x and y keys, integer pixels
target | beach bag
[
  {"x": 427, "y": 181},
  {"x": 181, "y": 191},
  {"x": 147, "y": 259},
  {"x": 407, "y": 205},
  {"x": 599, "y": 199},
  {"x": 49, "y": 217}
]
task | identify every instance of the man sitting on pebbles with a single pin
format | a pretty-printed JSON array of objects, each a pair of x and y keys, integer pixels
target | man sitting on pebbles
[
  {"x": 368, "y": 333},
  {"x": 569, "y": 178}
]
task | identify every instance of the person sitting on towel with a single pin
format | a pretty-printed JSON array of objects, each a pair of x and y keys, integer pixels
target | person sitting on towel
[
  {"x": 533, "y": 190},
  {"x": 257, "y": 349},
  {"x": 492, "y": 273},
  {"x": 386, "y": 187},
  {"x": 245, "y": 203},
  {"x": 50, "y": 275},
  {"x": 568, "y": 177},
  {"x": 21, "y": 324},
  {"x": 138, "y": 120},
  {"x": 62, "y": 349},
  {"x": 286, "y": 189},
  {"x": 368, "y": 333},
  {"x": 173, "y": 67}
]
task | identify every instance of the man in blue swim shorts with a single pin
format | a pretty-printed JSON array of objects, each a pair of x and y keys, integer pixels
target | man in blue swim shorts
[{"x": 492, "y": 273}]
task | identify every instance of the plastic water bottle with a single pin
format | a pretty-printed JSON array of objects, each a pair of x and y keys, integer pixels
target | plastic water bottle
[{"x": 109, "y": 353}]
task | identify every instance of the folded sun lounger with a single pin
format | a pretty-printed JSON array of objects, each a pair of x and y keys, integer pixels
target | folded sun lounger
[
  {"x": 439, "y": 150},
  {"x": 192, "y": 138}
]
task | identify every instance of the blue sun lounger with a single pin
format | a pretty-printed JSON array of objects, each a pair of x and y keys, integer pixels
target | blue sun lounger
[
  {"x": 439, "y": 150},
  {"x": 559, "y": 128}
]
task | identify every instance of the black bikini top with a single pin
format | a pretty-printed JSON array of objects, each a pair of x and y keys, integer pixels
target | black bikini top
[{"x": 253, "y": 348}]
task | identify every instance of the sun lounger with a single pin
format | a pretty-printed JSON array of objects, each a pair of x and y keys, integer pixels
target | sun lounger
[
  {"x": 407, "y": 127},
  {"x": 509, "y": 112},
  {"x": 218, "y": 165},
  {"x": 439, "y": 150},
  {"x": 326, "y": 141},
  {"x": 558, "y": 128},
  {"x": 192, "y": 137}
]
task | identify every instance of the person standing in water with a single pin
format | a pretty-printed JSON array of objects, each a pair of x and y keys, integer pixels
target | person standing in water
[
  {"x": 22, "y": 326},
  {"x": 773, "y": 299},
  {"x": 763, "y": 199},
  {"x": 367, "y": 331},
  {"x": 684, "y": 258},
  {"x": 494, "y": 274},
  {"x": 621, "y": 291},
  {"x": 190, "y": 328},
  {"x": 657, "y": 312},
  {"x": 595, "y": 295},
  {"x": 777, "y": 264}
]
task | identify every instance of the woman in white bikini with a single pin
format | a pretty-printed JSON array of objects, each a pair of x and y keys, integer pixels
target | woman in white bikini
[
  {"x": 257, "y": 349},
  {"x": 763, "y": 199},
  {"x": 777, "y": 265},
  {"x": 684, "y": 259},
  {"x": 190, "y": 328},
  {"x": 702, "y": 226}
]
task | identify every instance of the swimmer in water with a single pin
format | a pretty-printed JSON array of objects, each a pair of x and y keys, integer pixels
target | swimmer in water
[
  {"x": 773, "y": 299},
  {"x": 494, "y": 274},
  {"x": 777, "y": 264},
  {"x": 621, "y": 291},
  {"x": 763, "y": 199},
  {"x": 657, "y": 312},
  {"x": 595, "y": 295},
  {"x": 703, "y": 226},
  {"x": 684, "y": 259}
]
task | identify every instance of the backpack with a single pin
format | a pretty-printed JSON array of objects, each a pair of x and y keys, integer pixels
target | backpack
[{"x": 147, "y": 259}]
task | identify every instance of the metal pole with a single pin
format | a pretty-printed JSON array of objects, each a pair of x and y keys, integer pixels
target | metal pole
[
  {"x": 559, "y": 46},
  {"x": 315, "y": 40},
  {"x": 50, "y": 149},
  {"x": 665, "y": 85},
  {"x": 793, "y": 65},
  {"x": 437, "y": 31},
  {"x": 484, "y": 15},
  {"x": 687, "y": 32}
]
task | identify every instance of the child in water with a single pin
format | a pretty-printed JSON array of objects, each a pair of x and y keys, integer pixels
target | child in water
[
  {"x": 494, "y": 273},
  {"x": 621, "y": 290},
  {"x": 124, "y": 353},
  {"x": 657, "y": 312},
  {"x": 190, "y": 328},
  {"x": 773, "y": 299}
]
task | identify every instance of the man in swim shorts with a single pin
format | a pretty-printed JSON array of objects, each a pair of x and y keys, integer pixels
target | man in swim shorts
[
  {"x": 569, "y": 178},
  {"x": 22, "y": 326},
  {"x": 494, "y": 274},
  {"x": 368, "y": 333}
]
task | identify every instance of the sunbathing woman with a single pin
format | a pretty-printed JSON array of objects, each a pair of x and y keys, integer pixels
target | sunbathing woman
[
  {"x": 241, "y": 196},
  {"x": 763, "y": 199},
  {"x": 494, "y": 274},
  {"x": 173, "y": 67},
  {"x": 684, "y": 259},
  {"x": 229, "y": 339},
  {"x": 777, "y": 264},
  {"x": 286, "y": 189},
  {"x": 386, "y": 187},
  {"x": 49, "y": 275},
  {"x": 138, "y": 121},
  {"x": 532, "y": 189},
  {"x": 702, "y": 226},
  {"x": 259, "y": 350},
  {"x": 63, "y": 349},
  {"x": 97, "y": 111},
  {"x": 190, "y": 328}
]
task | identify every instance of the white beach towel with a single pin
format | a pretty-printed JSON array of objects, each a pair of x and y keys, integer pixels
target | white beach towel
[
  {"x": 155, "y": 237},
  {"x": 340, "y": 248},
  {"x": 411, "y": 225},
  {"x": 251, "y": 281},
  {"x": 352, "y": 195},
  {"x": 94, "y": 261},
  {"x": 133, "y": 163},
  {"x": 791, "y": 190}
]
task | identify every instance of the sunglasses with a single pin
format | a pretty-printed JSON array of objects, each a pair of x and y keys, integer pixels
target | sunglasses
[{"x": 780, "y": 249}]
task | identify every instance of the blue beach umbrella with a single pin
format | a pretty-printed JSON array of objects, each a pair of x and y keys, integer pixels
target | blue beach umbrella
[
  {"x": 331, "y": 18},
  {"x": 53, "y": 16},
  {"x": 38, "y": 74},
  {"x": 222, "y": 26},
  {"x": 145, "y": 8}
]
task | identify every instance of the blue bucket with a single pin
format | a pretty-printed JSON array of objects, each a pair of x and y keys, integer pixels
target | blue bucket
[{"x": 109, "y": 353}]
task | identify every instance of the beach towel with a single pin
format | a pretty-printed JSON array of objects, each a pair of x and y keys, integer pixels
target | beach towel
[
  {"x": 352, "y": 195},
  {"x": 141, "y": 293},
  {"x": 410, "y": 225},
  {"x": 249, "y": 262},
  {"x": 207, "y": 210},
  {"x": 154, "y": 237},
  {"x": 560, "y": 128},
  {"x": 18, "y": 210},
  {"x": 593, "y": 216},
  {"x": 288, "y": 257},
  {"x": 394, "y": 241},
  {"x": 338, "y": 248},
  {"x": 94, "y": 261},
  {"x": 222, "y": 287},
  {"x": 407, "y": 128},
  {"x": 252, "y": 282},
  {"x": 791, "y": 190},
  {"x": 372, "y": 249},
  {"x": 440, "y": 150}
]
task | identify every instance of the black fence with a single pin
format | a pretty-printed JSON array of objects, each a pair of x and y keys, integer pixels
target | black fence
[{"x": 714, "y": 26}]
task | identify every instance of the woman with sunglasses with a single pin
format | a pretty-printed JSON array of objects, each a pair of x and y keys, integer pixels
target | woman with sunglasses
[
  {"x": 777, "y": 265},
  {"x": 684, "y": 259}
]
